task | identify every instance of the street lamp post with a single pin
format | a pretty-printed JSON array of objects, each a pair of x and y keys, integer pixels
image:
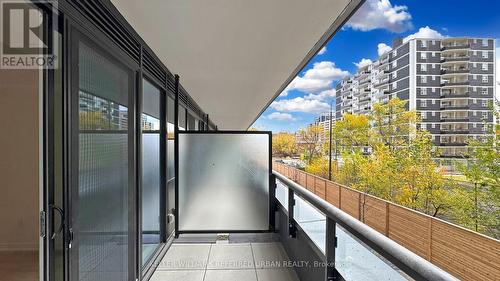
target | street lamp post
[{"x": 330, "y": 145}]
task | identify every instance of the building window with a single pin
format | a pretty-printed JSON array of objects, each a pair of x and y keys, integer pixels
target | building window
[
  {"x": 424, "y": 43},
  {"x": 433, "y": 125},
  {"x": 394, "y": 85},
  {"x": 485, "y": 79},
  {"x": 484, "y": 91},
  {"x": 395, "y": 63},
  {"x": 423, "y": 79},
  {"x": 485, "y": 115},
  {"x": 395, "y": 53},
  {"x": 423, "y": 103},
  {"x": 394, "y": 75},
  {"x": 423, "y": 91},
  {"x": 423, "y": 114},
  {"x": 433, "y": 42},
  {"x": 423, "y": 126},
  {"x": 485, "y": 43},
  {"x": 433, "y": 101},
  {"x": 423, "y": 56},
  {"x": 474, "y": 100},
  {"x": 485, "y": 55},
  {"x": 423, "y": 67},
  {"x": 484, "y": 103},
  {"x": 484, "y": 66},
  {"x": 474, "y": 125},
  {"x": 433, "y": 113}
]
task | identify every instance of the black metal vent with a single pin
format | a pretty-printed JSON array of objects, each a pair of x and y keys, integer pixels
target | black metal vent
[
  {"x": 125, "y": 38},
  {"x": 97, "y": 13},
  {"x": 154, "y": 68}
]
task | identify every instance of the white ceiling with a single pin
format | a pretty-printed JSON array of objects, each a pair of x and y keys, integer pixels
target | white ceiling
[{"x": 235, "y": 56}]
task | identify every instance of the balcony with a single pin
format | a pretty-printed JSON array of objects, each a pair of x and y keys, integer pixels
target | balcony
[
  {"x": 455, "y": 71},
  {"x": 455, "y": 46},
  {"x": 454, "y": 119},
  {"x": 455, "y": 131},
  {"x": 454, "y": 83},
  {"x": 145, "y": 181},
  {"x": 455, "y": 58},
  {"x": 448, "y": 94},
  {"x": 454, "y": 106}
]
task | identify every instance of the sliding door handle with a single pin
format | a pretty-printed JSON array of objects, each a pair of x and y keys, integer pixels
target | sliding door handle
[{"x": 61, "y": 224}]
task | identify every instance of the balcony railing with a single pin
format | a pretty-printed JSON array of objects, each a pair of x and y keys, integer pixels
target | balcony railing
[
  {"x": 455, "y": 71},
  {"x": 454, "y": 95},
  {"x": 455, "y": 58},
  {"x": 455, "y": 46},
  {"x": 445, "y": 245},
  {"x": 365, "y": 250},
  {"x": 455, "y": 83},
  {"x": 454, "y": 106},
  {"x": 454, "y": 131}
]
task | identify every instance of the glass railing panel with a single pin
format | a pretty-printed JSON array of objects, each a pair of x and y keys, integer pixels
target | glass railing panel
[
  {"x": 312, "y": 221},
  {"x": 356, "y": 261},
  {"x": 282, "y": 194}
]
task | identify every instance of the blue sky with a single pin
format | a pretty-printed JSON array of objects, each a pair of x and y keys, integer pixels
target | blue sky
[{"x": 371, "y": 31}]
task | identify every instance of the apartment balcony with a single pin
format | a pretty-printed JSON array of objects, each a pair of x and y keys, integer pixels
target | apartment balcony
[
  {"x": 454, "y": 83},
  {"x": 145, "y": 181},
  {"x": 457, "y": 131},
  {"x": 381, "y": 83},
  {"x": 456, "y": 46},
  {"x": 454, "y": 106},
  {"x": 455, "y": 71},
  {"x": 454, "y": 119},
  {"x": 445, "y": 94},
  {"x": 455, "y": 59}
]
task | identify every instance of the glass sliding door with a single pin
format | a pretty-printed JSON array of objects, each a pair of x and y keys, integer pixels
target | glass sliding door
[
  {"x": 150, "y": 178},
  {"x": 102, "y": 195}
]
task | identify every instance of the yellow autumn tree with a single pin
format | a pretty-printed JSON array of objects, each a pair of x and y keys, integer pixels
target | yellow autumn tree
[{"x": 284, "y": 145}]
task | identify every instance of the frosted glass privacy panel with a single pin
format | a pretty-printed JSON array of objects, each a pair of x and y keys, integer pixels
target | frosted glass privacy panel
[{"x": 223, "y": 182}]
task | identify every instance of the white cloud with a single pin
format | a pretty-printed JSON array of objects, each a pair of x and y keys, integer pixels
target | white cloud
[
  {"x": 318, "y": 78},
  {"x": 382, "y": 48},
  {"x": 363, "y": 62},
  {"x": 425, "y": 32},
  {"x": 323, "y": 95},
  {"x": 280, "y": 116},
  {"x": 322, "y": 51},
  {"x": 381, "y": 14},
  {"x": 283, "y": 94},
  {"x": 300, "y": 104}
]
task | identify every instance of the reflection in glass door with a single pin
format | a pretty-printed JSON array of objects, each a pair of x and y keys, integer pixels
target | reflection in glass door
[
  {"x": 150, "y": 178},
  {"x": 101, "y": 196}
]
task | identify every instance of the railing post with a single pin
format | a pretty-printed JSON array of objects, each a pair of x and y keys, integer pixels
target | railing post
[
  {"x": 272, "y": 202},
  {"x": 292, "y": 230},
  {"x": 331, "y": 244}
]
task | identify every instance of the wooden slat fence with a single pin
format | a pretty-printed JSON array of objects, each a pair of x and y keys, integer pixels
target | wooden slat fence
[{"x": 466, "y": 254}]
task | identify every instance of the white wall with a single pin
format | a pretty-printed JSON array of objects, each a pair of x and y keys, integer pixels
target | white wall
[{"x": 19, "y": 156}]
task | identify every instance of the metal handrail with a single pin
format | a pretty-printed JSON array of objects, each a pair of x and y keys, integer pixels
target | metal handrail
[{"x": 409, "y": 262}]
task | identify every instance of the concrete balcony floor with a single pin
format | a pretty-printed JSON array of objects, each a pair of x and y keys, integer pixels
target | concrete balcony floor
[{"x": 221, "y": 261}]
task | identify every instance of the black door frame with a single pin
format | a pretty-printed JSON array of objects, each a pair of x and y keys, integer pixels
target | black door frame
[{"x": 76, "y": 35}]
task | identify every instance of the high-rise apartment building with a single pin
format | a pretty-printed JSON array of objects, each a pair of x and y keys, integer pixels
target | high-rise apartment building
[{"x": 449, "y": 82}]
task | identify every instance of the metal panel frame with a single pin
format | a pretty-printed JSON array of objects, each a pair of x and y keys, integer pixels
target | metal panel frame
[
  {"x": 77, "y": 34},
  {"x": 272, "y": 203}
]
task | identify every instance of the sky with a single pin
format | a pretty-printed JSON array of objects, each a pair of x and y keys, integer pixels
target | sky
[{"x": 368, "y": 33}]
